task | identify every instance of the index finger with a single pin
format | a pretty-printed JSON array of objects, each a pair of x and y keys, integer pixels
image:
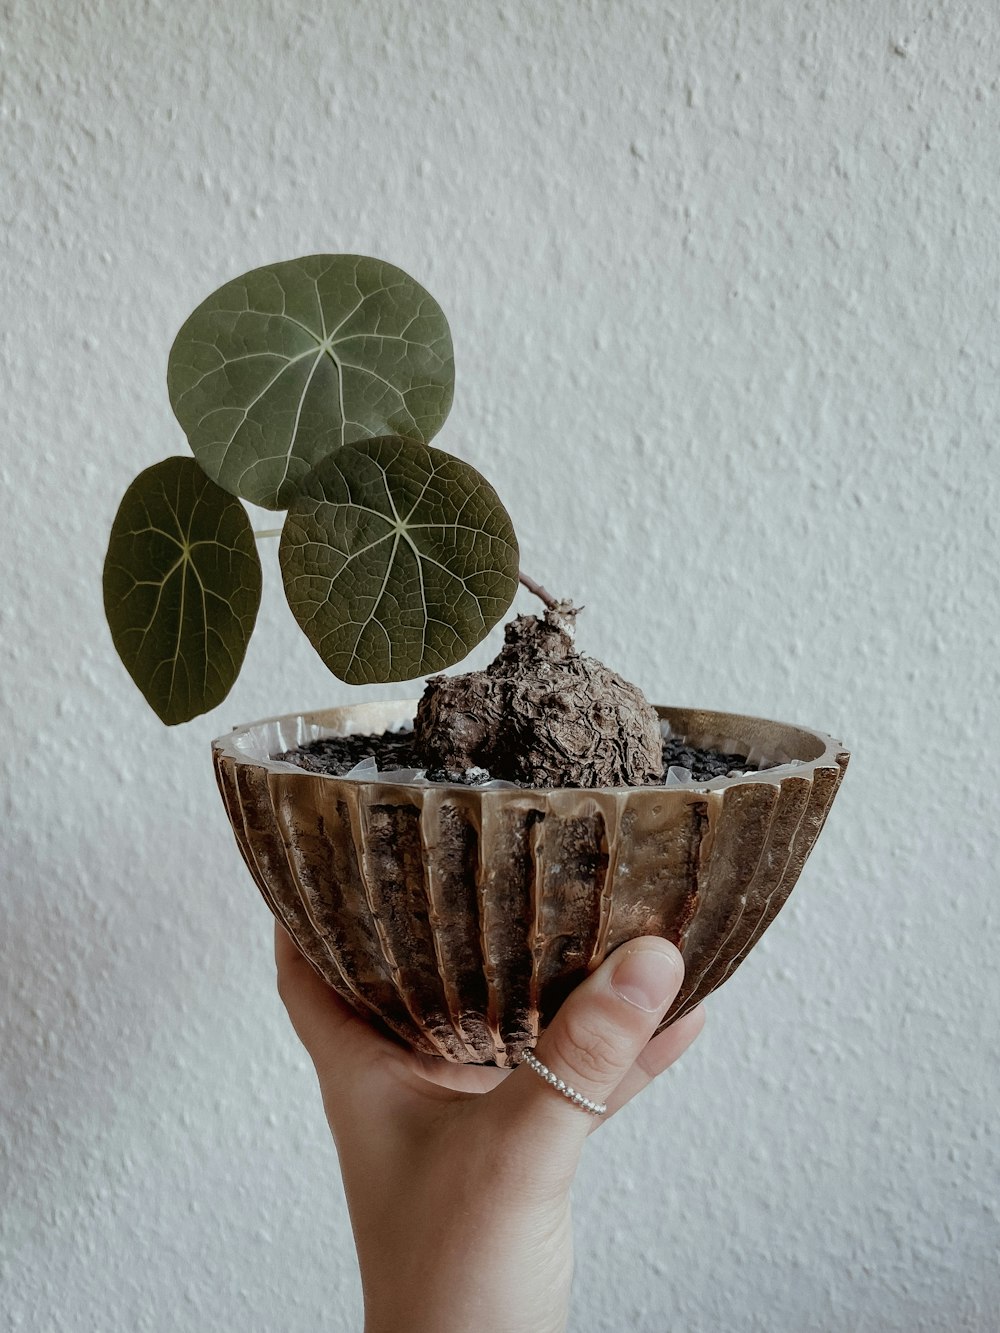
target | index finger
[{"x": 343, "y": 1047}]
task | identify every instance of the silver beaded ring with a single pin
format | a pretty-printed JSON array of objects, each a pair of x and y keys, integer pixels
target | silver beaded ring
[{"x": 577, "y": 1098}]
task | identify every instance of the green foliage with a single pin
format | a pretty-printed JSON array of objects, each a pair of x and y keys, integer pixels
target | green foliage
[
  {"x": 397, "y": 560},
  {"x": 182, "y": 586},
  {"x": 312, "y": 385},
  {"x": 281, "y": 366}
]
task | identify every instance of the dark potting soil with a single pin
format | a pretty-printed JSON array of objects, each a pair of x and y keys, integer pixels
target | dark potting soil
[{"x": 336, "y": 755}]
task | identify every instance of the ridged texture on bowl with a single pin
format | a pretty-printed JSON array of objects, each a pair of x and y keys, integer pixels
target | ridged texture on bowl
[{"x": 461, "y": 917}]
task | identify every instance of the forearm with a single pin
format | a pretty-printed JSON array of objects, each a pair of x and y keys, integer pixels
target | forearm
[{"x": 464, "y": 1311}]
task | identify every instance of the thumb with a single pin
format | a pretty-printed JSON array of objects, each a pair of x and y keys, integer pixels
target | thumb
[{"x": 593, "y": 1041}]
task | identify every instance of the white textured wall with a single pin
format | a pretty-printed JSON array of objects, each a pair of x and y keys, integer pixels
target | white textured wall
[{"x": 723, "y": 284}]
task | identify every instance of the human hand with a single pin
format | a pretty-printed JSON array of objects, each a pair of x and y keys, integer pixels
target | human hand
[{"x": 458, "y": 1177}]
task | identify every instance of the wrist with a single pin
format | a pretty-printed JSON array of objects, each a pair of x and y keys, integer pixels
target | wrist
[{"x": 494, "y": 1278}]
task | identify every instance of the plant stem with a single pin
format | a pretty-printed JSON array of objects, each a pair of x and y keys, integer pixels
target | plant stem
[
  {"x": 537, "y": 589},
  {"x": 268, "y": 532}
]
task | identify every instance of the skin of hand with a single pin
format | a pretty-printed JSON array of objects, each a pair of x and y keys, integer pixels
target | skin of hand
[{"x": 457, "y": 1177}]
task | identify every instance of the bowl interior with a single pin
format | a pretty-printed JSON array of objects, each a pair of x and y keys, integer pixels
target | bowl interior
[{"x": 775, "y": 746}]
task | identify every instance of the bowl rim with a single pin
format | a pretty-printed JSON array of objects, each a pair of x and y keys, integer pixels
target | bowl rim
[{"x": 831, "y": 753}]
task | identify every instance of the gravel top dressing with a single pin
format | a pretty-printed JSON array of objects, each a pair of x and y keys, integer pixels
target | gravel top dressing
[{"x": 337, "y": 755}]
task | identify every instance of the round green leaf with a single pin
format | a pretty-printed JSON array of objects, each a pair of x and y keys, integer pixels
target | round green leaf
[
  {"x": 397, "y": 559},
  {"x": 287, "y": 363},
  {"x": 181, "y": 588}
]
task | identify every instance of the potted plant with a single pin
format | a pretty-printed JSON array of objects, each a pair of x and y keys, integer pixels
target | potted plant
[{"x": 453, "y": 866}]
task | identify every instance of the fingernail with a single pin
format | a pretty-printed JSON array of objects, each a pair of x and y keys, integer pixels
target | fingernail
[{"x": 646, "y": 978}]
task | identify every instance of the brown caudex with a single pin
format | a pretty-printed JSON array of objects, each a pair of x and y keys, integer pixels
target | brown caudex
[{"x": 461, "y": 917}]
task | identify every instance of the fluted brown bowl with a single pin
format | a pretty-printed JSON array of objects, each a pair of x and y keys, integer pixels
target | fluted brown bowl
[{"x": 460, "y": 917}]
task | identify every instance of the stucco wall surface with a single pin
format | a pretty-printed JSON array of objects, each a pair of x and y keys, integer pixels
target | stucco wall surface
[{"x": 723, "y": 284}]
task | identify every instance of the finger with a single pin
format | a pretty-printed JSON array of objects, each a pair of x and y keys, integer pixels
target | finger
[
  {"x": 593, "y": 1041},
  {"x": 656, "y": 1056},
  {"x": 344, "y": 1048},
  {"x": 455, "y": 1077}
]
